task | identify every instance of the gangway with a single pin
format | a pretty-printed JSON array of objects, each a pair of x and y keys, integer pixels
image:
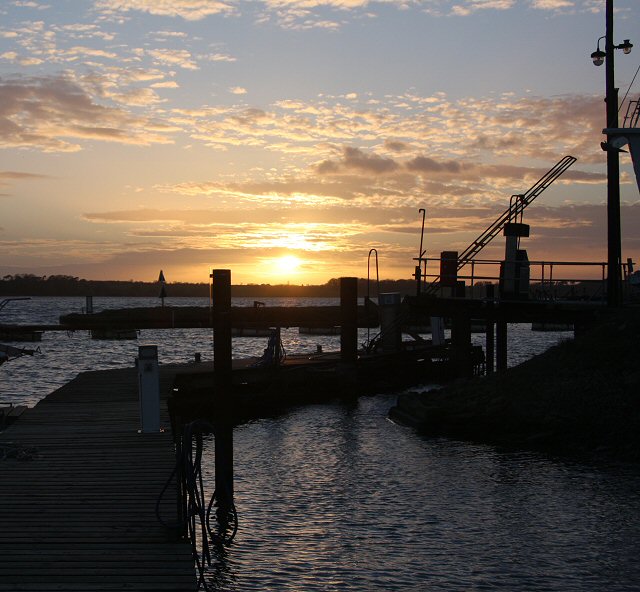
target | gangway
[{"x": 517, "y": 205}]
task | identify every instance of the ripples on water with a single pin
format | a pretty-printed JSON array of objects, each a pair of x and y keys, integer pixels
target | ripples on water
[{"x": 335, "y": 497}]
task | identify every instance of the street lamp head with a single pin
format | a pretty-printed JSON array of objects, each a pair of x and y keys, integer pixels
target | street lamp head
[
  {"x": 626, "y": 46},
  {"x": 598, "y": 57}
]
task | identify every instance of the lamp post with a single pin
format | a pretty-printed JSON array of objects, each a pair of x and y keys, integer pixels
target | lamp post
[{"x": 614, "y": 237}]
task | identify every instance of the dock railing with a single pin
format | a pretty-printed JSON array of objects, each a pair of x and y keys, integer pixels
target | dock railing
[{"x": 547, "y": 280}]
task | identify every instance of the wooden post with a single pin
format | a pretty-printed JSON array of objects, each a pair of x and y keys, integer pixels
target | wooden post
[
  {"x": 501, "y": 345},
  {"x": 490, "y": 346},
  {"x": 221, "y": 296},
  {"x": 349, "y": 320},
  {"x": 461, "y": 341}
]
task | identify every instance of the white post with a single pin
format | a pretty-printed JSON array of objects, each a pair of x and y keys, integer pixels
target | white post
[{"x": 390, "y": 306}]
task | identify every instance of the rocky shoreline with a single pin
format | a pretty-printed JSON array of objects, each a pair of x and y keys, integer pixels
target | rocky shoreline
[{"x": 581, "y": 398}]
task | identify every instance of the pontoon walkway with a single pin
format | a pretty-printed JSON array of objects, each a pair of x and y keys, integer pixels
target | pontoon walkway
[{"x": 77, "y": 507}]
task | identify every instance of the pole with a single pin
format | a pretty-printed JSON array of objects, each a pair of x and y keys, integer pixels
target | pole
[
  {"x": 349, "y": 320},
  {"x": 614, "y": 250},
  {"x": 461, "y": 342},
  {"x": 221, "y": 296},
  {"x": 501, "y": 345}
]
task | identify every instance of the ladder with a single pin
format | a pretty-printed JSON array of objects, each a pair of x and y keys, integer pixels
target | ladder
[{"x": 517, "y": 204}]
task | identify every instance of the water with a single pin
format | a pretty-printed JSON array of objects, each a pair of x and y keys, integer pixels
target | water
[
  {"x": 333, "y": 497},
  {"x": 62, "y": 356},
  {"x": 337, "y": 497}
]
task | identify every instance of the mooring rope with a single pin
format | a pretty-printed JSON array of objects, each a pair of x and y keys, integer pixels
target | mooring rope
[{"x": 197, "y": 521}]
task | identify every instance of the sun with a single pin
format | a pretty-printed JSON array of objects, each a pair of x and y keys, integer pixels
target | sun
[{"x": 287, "y": 264}]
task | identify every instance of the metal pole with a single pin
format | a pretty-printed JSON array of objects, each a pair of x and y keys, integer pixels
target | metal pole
[
  {"x": 614, "y": 250},
  {"x": 420, "y": 254},
  {"x": 473, "y": 268}
]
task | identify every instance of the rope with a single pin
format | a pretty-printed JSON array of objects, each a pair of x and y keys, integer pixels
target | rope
[{"x": 197, "y": 520}]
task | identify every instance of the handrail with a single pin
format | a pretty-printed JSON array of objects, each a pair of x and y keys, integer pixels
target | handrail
[
  {"x": 546, "y": 277},
  {"x": 7, "y": 300}
]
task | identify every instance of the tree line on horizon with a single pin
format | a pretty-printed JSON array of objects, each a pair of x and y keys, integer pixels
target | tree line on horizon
[{"x": 66, "y": 285}]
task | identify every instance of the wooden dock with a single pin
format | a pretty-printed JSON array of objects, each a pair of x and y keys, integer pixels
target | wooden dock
[{"x": 77, "y": 508}]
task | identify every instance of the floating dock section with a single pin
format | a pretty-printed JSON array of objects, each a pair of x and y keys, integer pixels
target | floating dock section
[{"x": 78, "y": 490}]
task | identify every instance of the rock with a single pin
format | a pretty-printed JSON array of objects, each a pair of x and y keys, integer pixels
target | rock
[{"x": 580, "y": 397}]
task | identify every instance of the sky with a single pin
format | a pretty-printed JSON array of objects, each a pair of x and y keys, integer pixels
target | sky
[{"x": 285, "y": 139}]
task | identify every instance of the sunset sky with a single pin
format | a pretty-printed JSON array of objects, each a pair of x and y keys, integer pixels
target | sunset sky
[{"x": 283, "y": 139}]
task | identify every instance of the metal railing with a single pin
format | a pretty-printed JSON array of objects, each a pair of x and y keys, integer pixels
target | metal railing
[
  {"x": 632, "y": 115},
  {"x": 547, "y": 280}
]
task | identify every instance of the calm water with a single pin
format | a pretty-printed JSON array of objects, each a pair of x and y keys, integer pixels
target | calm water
[
  {"x": 339, "y": 498},
  {"x": 334, "y": 497}
]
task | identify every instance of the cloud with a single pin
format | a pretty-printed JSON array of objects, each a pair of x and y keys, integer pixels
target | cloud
[
  {"x": 165, "y": 84},
  {"x": 355, "y": 159},
  {"x": 191, "y": 10},
  {"x": 238, "y": 239},
  {"x": 45, "y": 112},
  {"x": 220, "y": 57},
  {"x": 512, "y": 128},
  {"x": 314, "y": 14},
  {"x": 553, "y": 4},
  {"x": 325, "y": 14},
  {"x": 471, "y": 6},
  {"x": 6, "y": 177},
  {"x": 31, "y": 4},
  {"x": 173, "y": 57}
]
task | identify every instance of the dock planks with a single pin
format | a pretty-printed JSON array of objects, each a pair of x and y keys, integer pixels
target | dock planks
[{"x": 78, "y": 513}]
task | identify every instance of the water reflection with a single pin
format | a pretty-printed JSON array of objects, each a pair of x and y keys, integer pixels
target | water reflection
[{"x": 339, "y": 498}]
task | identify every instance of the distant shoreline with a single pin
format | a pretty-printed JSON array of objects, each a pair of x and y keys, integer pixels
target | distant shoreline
[{"x": 31, "y": 285}]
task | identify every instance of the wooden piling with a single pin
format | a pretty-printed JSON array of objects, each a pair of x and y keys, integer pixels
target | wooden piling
[
  {"x": 349, "y": 319},
  {"x": 222, "y": 365},
  {"x": 501, "y": 345},
  {"x": 221, "y": 297},
  {"x": 461, "y": 342},
  {"x": 490, "y": 346}
]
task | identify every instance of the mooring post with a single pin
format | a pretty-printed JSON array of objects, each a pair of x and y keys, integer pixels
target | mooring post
[
  {"x": 490, "y": 346},
  {"x": 490, "y": 328},
  {"x": 221, "y": 300},
  {"x": 461, "y": 342},
  {"x": 501, "y": 345},
  {"x": 349, "y": 320}
]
